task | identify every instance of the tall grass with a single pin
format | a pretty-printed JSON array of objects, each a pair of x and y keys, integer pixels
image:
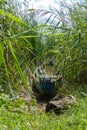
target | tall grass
[
  {"x": 69, "y": 40},
  {"x": 9, "y": 62},
  {"x": 24, "y": 45},
  {"x": 20, "y": 47}
]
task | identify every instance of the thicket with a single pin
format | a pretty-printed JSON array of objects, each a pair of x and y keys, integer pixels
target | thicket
[{"x": 25, "y": 42}]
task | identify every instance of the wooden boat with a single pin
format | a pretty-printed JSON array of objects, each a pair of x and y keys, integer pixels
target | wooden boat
[{"x": 46, "y": 81}]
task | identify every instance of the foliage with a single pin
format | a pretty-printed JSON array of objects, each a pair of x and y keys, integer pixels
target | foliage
[
  {"x": 15, "y": 49},
  {"x": 70, "y": 42},
  {"x": 25, "y": 43},
  {"x": 15, "y": 114},
  {"x": 8, "y": 58}
]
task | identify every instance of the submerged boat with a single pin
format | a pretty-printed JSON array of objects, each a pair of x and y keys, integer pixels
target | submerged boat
[{"x": 46, "y": 80}]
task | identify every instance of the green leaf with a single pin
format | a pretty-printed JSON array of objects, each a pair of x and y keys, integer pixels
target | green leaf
[
  {"x": 27, "y": 36},
  {"x": 1, "y": 53},
  {"x": 40, "y": 26},
  {"x": 17, "y": 65},
  {"x": 13, "y": 18}
]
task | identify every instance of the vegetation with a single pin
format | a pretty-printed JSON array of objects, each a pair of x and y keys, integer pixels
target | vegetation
[
  {"x": 15, "y": 114},
  {"x": 25, "y": 43}
]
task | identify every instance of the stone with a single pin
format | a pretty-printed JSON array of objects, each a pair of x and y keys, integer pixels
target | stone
[{"x": 59, "y": 105}]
